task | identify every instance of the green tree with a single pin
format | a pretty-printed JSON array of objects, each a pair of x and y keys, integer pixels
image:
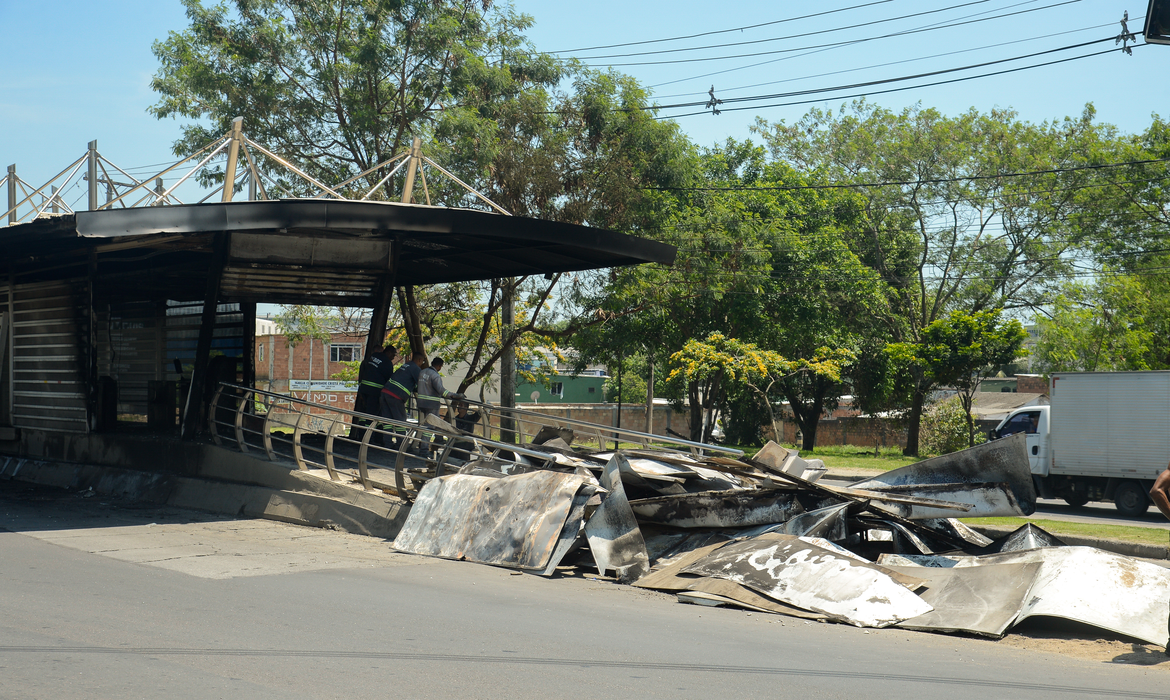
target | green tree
[
  {"x": 339, "y": 88},
  {"x": 960, "y": 349},
  {"x": 1097, "y": 327},
  {"x": 718, "y": 362},
  {"x": 946, "y": 231}
]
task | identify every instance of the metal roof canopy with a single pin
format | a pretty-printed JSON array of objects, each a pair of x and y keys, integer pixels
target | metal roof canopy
[{"x": 314, "y": 251}]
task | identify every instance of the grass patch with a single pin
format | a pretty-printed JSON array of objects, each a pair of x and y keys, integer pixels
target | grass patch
[
  {"x": 1126, "y": 533},
  {"x": 848, "y": 456}
]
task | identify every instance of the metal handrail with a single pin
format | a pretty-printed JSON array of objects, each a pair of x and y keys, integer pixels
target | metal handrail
[
  {"x": 603, "y": 433},
  {"x": 407, "y": 434}
]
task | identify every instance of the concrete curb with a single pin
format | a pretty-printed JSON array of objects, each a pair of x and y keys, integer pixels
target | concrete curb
[
  {"x": 1131, "y": 549},
  {"x": 356, "y": 511}
]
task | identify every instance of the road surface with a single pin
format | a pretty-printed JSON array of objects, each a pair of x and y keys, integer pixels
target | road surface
[{"x": 105, "y": 600}]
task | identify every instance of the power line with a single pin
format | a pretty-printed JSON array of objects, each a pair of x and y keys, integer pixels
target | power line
[
  {"x": 840, "y": 43},
  {"x": 903, "y": 183},
  {"x": 722, "y": 31},
  {"x": 830, "y": 47},
  {"x": 724, "y": 91},
  {"x": 900, "y": 89},
  {"x": 784, "y": 38},
  {"x": 884, "y": 81}
]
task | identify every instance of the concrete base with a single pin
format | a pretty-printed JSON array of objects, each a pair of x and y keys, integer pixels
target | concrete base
[{"x": 199, "y": 476}]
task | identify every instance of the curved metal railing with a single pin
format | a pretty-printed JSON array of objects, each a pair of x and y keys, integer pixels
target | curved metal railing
[{"x": 251, "y": 421}]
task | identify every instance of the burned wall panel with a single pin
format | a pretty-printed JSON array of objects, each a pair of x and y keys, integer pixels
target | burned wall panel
[{"x": 49, "y": 347}]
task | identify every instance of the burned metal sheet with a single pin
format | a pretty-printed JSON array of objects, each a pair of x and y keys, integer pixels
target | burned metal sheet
[
  {"x": 572, "y": 531},
  {"x": 957, "y": 528},
  {"x": 1027, "y": 536},
  {"x": 669, "y": 577},
  {"x": 830, "y": 523},
  {"x": 612, "y": 531},
  {"x": 982, "y": 600},
  {"x": 935, "y": 501},
  {"x": 810, "y": 577},
  {"x": 1084, "y": 584},
  {"x": 1000, "y": 461},
  {"x": 736, "y": 508},
  {"x": 514, "y": 521}
]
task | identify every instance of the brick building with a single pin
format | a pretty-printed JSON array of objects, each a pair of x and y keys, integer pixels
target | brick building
[{"x": 308, "y": 369}]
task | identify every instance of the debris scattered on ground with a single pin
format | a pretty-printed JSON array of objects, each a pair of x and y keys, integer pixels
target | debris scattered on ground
[{"x": 764, "y": 535}]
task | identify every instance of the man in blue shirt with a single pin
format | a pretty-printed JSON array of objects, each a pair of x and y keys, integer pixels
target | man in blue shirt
[{"x": 396, "y": 393}]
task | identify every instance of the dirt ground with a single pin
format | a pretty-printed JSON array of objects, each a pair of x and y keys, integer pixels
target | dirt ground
[{"x": 1083, "y": 642}]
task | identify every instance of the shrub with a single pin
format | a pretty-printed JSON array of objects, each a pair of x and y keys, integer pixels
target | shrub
[{"x": 944, "y": 428}]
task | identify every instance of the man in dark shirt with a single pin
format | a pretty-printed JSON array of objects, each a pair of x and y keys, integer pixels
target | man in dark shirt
[
  {"x": 396, "y": 393},
  {"x": 373, "y": 373}
]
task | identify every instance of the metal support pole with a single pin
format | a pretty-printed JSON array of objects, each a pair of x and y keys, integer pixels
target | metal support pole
[
  {"x": 159, "y": 188},
  {"x": 93, "y": 176},
  {"x": 12, "y": 194},
  {"x": 412, "y": 170},
  {"x": 55, "y": 208},
  {"x": 383, "y": 296},
  {"x": 650, "y": 393},
  {"x": 229, "y": 172},
  {"x": 193, "y": 408},
  {"x": 251, "y": 187},
  {"x": 507, "y": 363}
]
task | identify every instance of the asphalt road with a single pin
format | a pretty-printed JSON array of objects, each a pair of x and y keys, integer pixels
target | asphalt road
[
  {"x": 105, "y": 600},
  {"x": 1103, "y": 513}
]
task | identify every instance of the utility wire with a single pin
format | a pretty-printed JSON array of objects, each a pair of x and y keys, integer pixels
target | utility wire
[
  {"x": 851, "y": 86},
  {"x": 830, "y": 47},
  {"x": 722, "y": 31},
  {"x": 903, "y": 183},
  {"x": 837, "y": 43},
  {"x": 900, "y": 89},
  {"x": 724, "y": 91},
  {"x": 784, "y": 38}
]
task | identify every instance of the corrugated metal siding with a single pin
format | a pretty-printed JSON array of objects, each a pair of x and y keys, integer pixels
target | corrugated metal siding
[
  {"x": 130, "y": 345},
  {"x": 5, "y": 357},
  {"x": 1111, "y": 423},
  {"x": 48, "y": 386}
]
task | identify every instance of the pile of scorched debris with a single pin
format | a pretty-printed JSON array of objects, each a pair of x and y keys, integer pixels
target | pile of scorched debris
[{"x": 764, "y": 535}]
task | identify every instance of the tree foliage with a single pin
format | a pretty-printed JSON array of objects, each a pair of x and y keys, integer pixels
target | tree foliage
[{"x": 960, "y": 349}]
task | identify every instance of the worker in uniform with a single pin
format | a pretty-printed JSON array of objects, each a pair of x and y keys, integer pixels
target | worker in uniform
[
  {"x": 430, "y": 392},
  {"x": 395, "y": 395},
  {"x": 373, "y": 372},
  {"x": 1160, "y": 495}
]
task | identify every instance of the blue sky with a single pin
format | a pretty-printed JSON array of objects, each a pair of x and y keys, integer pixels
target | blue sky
[{"x": 77, "y": 71}]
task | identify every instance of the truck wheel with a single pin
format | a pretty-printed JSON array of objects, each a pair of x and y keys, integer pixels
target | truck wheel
[
  {"x": 1076, "y": 500},
  {"x": 1130, "y": 499}
]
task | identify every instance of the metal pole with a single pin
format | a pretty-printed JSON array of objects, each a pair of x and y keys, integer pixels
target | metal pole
[
  {"x": 229, "y": 173},
  {"x": 12, "y": 194},
  {"x": 158, "y": 190},
  {"x": 56, "y": 209},
  {"x": 621, "y": 361},
  {"x": 93, "y": 170},
  {"x": 251, "y": 187},
  {"x": 507, "y": 363},
  {"x": 415, "y": 156},
  {"x": 650, "y": 393}
]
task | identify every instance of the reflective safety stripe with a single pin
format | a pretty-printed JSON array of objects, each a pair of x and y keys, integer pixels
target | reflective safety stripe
[
  {"x": 366, "y": 382},
  {"x": 405, "y": 391}
]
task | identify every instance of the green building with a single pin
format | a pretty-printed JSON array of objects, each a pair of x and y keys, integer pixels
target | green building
[{"x": 564, "y": 388}]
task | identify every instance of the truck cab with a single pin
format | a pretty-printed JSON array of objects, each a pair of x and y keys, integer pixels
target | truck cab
[{"x": 1033, "y": 422}]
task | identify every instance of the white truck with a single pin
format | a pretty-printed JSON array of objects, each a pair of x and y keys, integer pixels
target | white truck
[{"x": 1105, "y": 436}]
